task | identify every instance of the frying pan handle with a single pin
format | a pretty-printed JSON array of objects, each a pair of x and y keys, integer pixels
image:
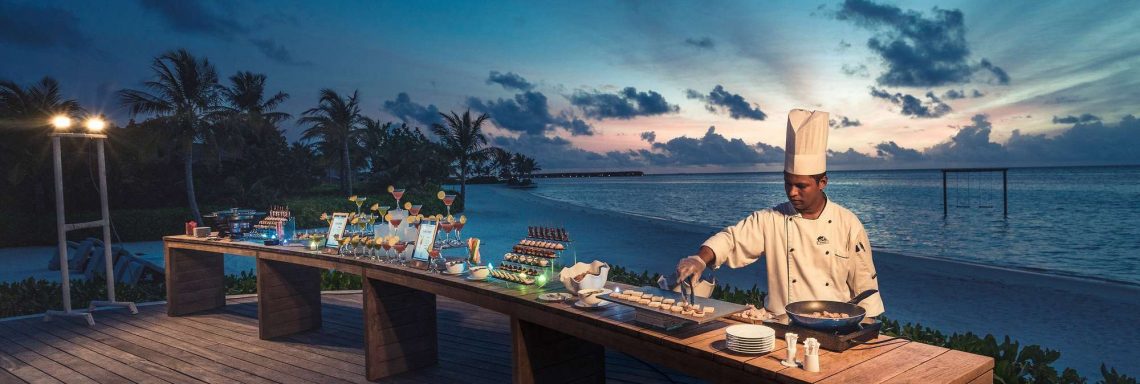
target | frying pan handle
[{"x": 863, "y": 295}]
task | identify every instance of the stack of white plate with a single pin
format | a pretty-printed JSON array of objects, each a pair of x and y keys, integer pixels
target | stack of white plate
[{"x": 750, "y": 338}]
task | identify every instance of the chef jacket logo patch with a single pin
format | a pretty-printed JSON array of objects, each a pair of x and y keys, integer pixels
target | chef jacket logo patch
[{"x": 821, "y": 240}]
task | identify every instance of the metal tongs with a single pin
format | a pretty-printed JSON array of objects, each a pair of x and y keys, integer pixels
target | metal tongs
[{"x": 687, "y": 291}]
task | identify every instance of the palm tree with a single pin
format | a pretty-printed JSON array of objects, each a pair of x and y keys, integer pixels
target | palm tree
[
  {"x": 524, "y": 165},
  {"x": 335, "y": 121},
  {"x": 246, "y": 97},
  {"x": 24, "y": 144},
  {"x": 462, "y": 138},
  {"x": 500, "y": 161},
  {"x": 185, "y": 90}
]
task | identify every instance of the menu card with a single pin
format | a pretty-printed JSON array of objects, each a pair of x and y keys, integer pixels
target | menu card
[
  {"x": 425, "y": 241},
  {"x": 336, "y": 227}
]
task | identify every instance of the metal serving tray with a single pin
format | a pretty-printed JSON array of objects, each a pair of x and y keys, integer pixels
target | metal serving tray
[{"x": 669, "y": 320}]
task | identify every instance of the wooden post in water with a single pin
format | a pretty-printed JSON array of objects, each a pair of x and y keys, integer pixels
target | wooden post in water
[{"x": 944, "y": 210}]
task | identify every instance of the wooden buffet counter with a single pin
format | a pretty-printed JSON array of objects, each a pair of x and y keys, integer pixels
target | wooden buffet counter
[{"x": 552, "y": 342}]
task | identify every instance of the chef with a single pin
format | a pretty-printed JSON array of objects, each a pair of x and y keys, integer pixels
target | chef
[{"x": 811, "y": 247}]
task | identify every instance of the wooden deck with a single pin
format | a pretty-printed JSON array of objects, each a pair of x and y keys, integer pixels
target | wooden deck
[{"x": 222, "y": 346}]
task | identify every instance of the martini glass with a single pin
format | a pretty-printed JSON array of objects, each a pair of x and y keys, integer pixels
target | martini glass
[
  {"x": 446, "y": 227},
  {"x": 415, "y": 209},
  {"x": 447, "y": 200},
  {"x": 360, "y": 203},
  {"x": 392, "y": 241},
  {"x": 459, "y": 230},
  {"x": 397, "y": 194},
  {"x": 433, "y": 258},
  {"x": 398, "y": 217},
  {"x": 400, "y": 248}
]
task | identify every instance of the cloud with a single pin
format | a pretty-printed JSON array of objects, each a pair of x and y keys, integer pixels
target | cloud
[
  {"x": 529, "y": 113},
  {"x": 32, "y": 26},
  {"x": 276, "y": 52},
  {"x": 1083, "y": 118},
  {"x": 711, "y": 149},
  {"x": 844, "y": 122},
  {"x": 553, "y": 153},
  {"x": 701, "y": 43},
  {"x": 913, "y": 106},
  {"x": 856, "y": 70},
  {"x": 649, "y": 136},
  {"x": 195, "y": 17},
  {"x": 411, "y": 112},
  {"x": 626, "y": 104},
  {"x": 737, "y": 107},
  {"x": 960, "y": 94},
  {"x": 510, "y": 81},
  {"x": 918, "y": 51}
]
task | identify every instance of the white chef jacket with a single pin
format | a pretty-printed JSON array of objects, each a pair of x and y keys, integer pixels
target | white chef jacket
[{"x": 828, "y": 258}]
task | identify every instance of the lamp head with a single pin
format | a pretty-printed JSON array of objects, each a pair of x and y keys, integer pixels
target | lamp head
[
  {"x": 95, "y": 124},
  {"x": 61, "y": 122}
]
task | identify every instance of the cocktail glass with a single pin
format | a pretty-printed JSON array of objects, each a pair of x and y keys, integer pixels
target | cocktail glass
[
  {"x": 447, "y": 200},
  {"x": 446, "y": 227},
  {"x": 397, "y": 194},
  {"x": 360, "y": 203},
  {"x": 398, "y": 217},
  {"x": 400, "y": 248},
  {"x": 433, "y": 258},
  {"x": 459, "y": 230},
  {"x": 415, "y": 209}
]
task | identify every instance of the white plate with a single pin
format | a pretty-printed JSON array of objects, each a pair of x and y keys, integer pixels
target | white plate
[
  {"x": 582, "y": 305},
  {"x": 750, "y": 331},
  {"x": 750, "y": 352},
  {"x": 554, "y": 297},
  {"x": 473, "y": 278},
  {"x": 743, "y": 346}
]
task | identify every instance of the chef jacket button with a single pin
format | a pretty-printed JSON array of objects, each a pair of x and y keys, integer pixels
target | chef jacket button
[
  {"x": 828, "y": 284},
  {"x": 829, "y": 221},
  {"x": 793, "y": 280},
  {"x": 827, "y": 252}
]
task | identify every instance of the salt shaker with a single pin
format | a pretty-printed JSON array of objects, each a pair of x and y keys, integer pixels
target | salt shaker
[
  {"x": 791, "y": 338},
  {"x": 811, "y": 355}
]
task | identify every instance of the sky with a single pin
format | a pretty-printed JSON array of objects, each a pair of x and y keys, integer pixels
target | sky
[{"x": 657, "y": 86}]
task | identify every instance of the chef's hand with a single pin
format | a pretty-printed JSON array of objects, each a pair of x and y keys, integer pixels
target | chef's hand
[{"x": 690, "y": 268}]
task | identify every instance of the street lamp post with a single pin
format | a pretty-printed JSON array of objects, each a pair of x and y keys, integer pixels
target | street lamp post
[{"x": 95, "y": 127}]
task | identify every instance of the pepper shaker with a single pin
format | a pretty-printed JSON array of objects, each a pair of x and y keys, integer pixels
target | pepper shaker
[
  {"x": 791, "y": 339},
  {"x": 811, "y": 355}
]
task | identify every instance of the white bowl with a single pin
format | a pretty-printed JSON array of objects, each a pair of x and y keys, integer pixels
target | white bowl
[
  {"x": 480, "y": 272},
  {"x": 596, "y": 274},
  {"x": 455, "y": 268}
]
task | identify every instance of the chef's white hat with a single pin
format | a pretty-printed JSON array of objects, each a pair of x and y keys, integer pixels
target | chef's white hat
[{"x": 806, "y": 150}]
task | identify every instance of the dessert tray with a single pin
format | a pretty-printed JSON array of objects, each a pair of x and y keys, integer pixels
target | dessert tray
[{"x": 669, "y": 313}]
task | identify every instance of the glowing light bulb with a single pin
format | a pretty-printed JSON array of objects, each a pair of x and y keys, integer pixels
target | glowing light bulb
[
  {"x": 95, "y": 124},
  {"x": 61, "y": 122}
]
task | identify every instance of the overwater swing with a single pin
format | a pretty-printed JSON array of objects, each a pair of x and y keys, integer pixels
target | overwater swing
[{"x": 967, "y": 199}]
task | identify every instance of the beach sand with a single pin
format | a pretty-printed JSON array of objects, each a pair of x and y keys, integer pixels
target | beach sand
[{"x": 1089, "y": 321}]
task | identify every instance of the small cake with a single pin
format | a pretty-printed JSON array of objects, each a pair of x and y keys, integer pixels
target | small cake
[
  {"x": 688, "y": 312},
  {"x": 654, "y": 304},
  {"x": 644, "y": 301},
  {"x": 633, "y": 293},
  {"x": 709, "y": 310},
  {"x": 668, "y": 302},
  {"x": 696, "y": 307},
  {"x": 657, "y": 298},
  {"x": 647, "y": 295},
  {"x": 632, "y": 297},
  {"x": 699, "y": 314},
  {"x": 675, "y": 309}
]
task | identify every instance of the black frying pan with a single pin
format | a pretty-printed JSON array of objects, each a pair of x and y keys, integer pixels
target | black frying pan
[{"x": 799, "y": 310}]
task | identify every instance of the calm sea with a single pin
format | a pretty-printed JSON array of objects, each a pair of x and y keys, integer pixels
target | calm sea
[{"x": 1076, "y": 221}]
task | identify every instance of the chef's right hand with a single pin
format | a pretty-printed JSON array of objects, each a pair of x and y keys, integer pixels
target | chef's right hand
[{"x": 690, "y": 268}]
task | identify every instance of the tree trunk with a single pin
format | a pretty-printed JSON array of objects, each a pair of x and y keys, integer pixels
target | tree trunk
[
  {"x": 463, "y": 180},
  {"x": 189, "y": 169},
  {"x": 346, "y": 170}
]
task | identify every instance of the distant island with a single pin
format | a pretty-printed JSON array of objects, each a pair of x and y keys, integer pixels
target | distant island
[{"x": 587, "y": 174}]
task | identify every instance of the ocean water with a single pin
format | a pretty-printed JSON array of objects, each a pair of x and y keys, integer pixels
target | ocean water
[{"x": 1073, "y": 221}]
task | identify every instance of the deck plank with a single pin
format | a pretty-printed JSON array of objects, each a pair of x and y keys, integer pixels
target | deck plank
[{"x": 222, "y": 345}]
